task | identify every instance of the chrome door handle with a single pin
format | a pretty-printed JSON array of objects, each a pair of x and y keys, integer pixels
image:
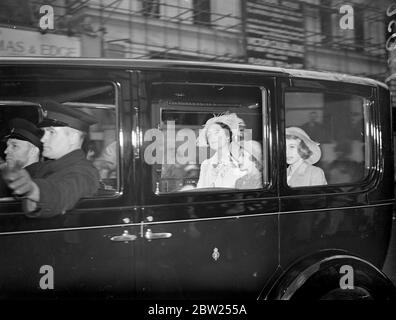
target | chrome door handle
[
  {"x": 125, "y": 237},
  {"x": 149, "y": 235}
]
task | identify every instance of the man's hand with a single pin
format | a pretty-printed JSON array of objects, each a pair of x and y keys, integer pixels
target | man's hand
[{"x": 19, "y": 180}]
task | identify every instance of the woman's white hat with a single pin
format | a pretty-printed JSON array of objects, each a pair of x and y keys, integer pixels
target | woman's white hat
[
  {"x": 230, "y": 119},
  {"x": 312, "y": 145}
]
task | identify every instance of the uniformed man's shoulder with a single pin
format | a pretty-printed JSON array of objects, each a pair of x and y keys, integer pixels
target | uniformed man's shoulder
[
  {"x": 75, "y": 162},
  {"x": 82, "y": 165}
]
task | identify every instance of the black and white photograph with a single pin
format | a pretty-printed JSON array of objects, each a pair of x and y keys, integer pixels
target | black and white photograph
[{"x": 201, "y": 157}]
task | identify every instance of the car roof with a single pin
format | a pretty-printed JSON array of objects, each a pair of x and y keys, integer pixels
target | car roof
[{"x": 179, "y": 64}]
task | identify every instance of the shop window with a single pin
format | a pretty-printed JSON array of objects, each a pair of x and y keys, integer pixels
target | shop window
[
  {"x": 359, "y": 29},
  {"x": 17, "y": 12},
  {"x": 202, "y": 12},
  {"x": 326, "y": 21},
  {"x": 151, "y": 8}
]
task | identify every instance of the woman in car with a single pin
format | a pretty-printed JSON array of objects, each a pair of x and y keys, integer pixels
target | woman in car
[
  {"x": 301, "y": 154},
  {"x": 250, "y": 162},
  {"x": 221, "y": 134}
]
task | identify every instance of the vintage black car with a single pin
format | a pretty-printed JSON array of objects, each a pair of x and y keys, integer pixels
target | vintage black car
[{"x": 153, "y": 230}]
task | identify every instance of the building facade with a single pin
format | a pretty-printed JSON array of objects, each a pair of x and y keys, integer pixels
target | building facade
[{"x": 329, "y": 35}]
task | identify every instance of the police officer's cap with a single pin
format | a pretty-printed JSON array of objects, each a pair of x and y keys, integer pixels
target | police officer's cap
[
  {"x": 25, "y": 130},
  {"x": 58, "y": 115}
]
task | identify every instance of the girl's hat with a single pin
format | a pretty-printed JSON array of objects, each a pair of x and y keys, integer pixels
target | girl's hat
[
  {"x": 253, "y": 148},
  {"x": 312, "y": 145}
]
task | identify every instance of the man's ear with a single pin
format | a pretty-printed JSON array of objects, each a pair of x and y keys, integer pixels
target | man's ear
[
  {"x": 77, "y": 136},
  {"x": 72, "y": 133},
  {"x": 34, "y": 151}
]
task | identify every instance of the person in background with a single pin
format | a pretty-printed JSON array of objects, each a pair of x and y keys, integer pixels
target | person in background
[
  {"x": 67, "y": 176},
  {"x": 314, "y": 128},
  {"x": 106, "y": 163},
  {"x": 90, "y": 149},
  {"x": 301, "y": 154}
]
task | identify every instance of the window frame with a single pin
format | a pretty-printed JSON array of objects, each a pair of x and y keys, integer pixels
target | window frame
[
  {"x": 372, "y": 139},
  {"x": 263, "y": 92},
  {"x": 84, "y": 202},
  {"x": 149, "y": 195}
]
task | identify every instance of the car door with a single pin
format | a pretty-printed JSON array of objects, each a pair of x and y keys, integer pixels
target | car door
[
  {"x": 211, "y": 242},
  {"x": 89, "y": 251},
  {"x": 342, "y": 120}
]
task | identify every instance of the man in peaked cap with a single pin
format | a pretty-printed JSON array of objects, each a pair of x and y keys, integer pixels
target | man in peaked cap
[
  {"x": 23, "y": 148},
  {"x": 67, "y": 176},
  {"x": 23, "y": 143}
]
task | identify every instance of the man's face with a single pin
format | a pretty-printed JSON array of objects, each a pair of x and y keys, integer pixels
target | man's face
[
  {"x": 56, "y": 141},
  {"x": 17, "y": 151}
]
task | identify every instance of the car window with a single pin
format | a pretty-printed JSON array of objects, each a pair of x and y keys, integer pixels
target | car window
[
  {"x": 21, "y": 98},
  {"x": 332, "y": 128},
  {"x": 206, "y": 137}
]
